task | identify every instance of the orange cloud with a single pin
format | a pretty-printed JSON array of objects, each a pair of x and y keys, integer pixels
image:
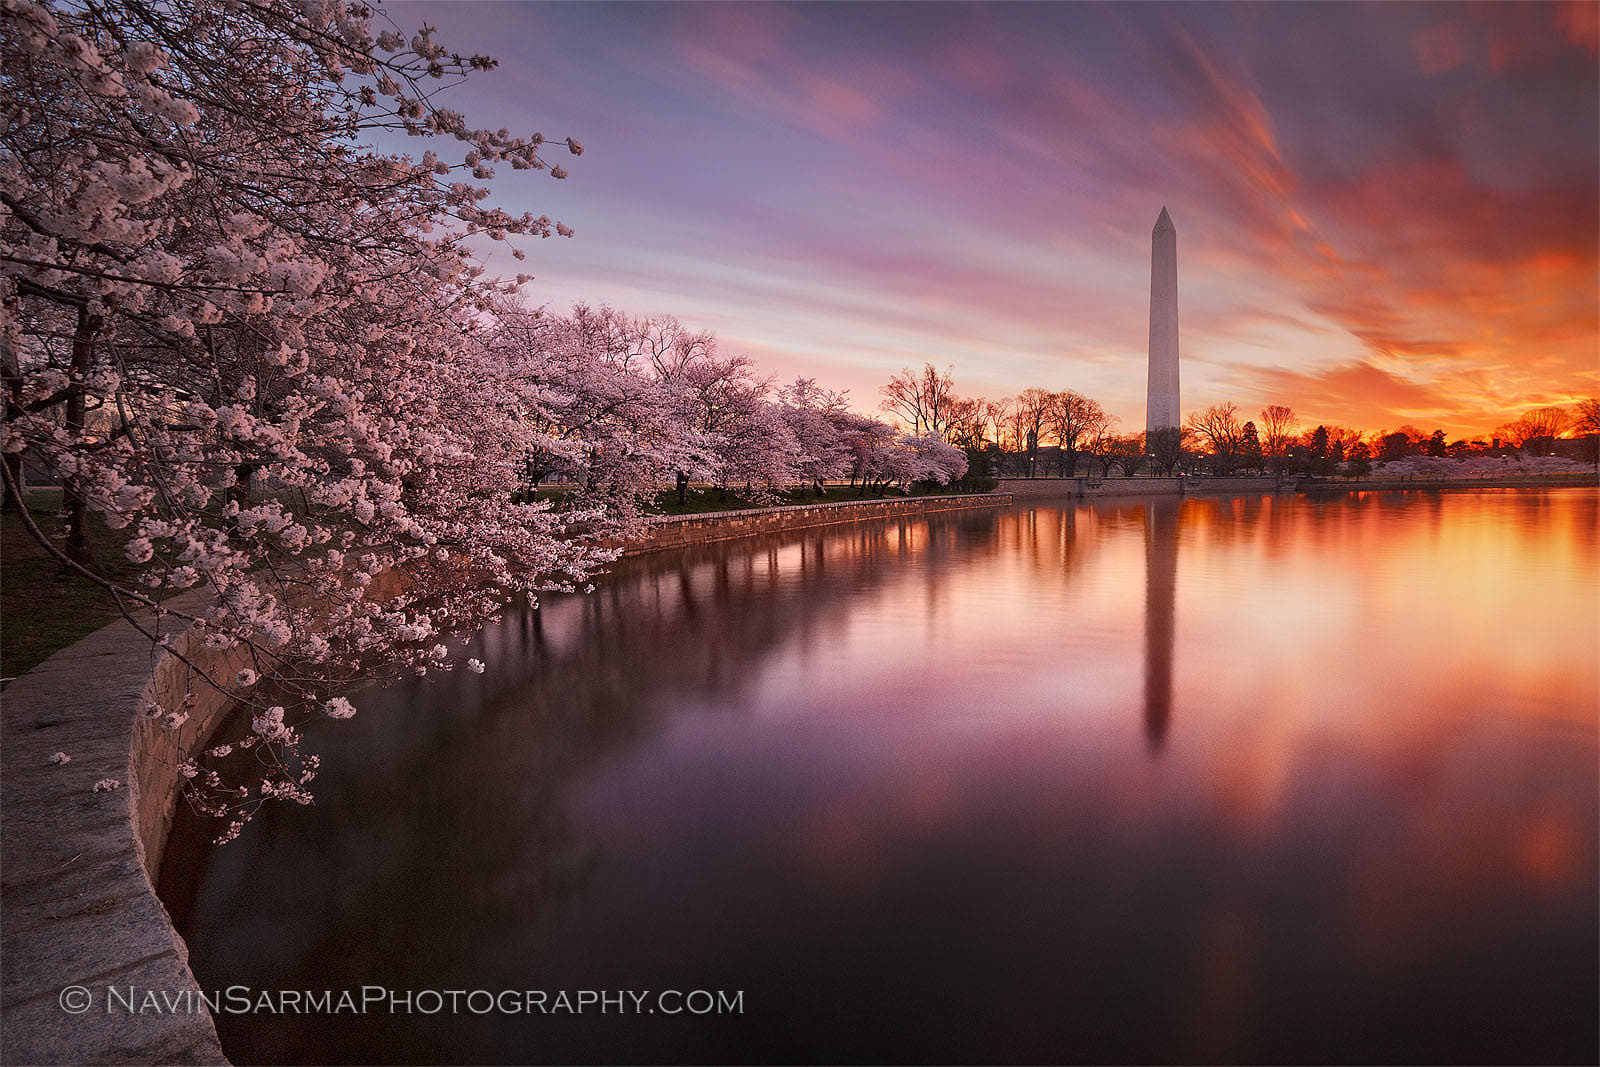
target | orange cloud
[
  {"x": 1358, "y": 392},
  {"x": 1579, "y": 20}
]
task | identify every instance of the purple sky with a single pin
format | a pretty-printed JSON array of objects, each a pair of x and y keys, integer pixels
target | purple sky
[{"x": 1387, "y": 213}]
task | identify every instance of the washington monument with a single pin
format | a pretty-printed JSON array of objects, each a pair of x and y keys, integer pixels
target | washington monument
[{"x": 1161, "y": 403}]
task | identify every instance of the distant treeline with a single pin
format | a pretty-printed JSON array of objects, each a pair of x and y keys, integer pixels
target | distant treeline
[{"x": 1040, "y": 432}]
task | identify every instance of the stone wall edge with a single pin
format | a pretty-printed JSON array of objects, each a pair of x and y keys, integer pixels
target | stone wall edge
[{"x": 78, "y": 907}]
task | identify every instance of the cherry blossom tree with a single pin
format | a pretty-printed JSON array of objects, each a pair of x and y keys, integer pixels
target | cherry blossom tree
[
  {"x": 867, "y": 439},
  {"x": 722, "y": 401},
  {"x": 930, "y": 459},
  {"x": 887, "y": 457},
  {"x": 597, "y": 417},
  {"x": 260, "y": 349},
  {"x": 756, "y": 447},
  {"x": 815, "y": 418},
  {"x": 1479, "y": 466}
]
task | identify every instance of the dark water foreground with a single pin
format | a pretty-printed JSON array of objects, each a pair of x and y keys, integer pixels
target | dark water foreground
[{"x": 1251, "y": 780}]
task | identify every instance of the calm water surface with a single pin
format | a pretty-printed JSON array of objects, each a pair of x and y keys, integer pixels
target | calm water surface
[{"x": 1259, "y": 780}]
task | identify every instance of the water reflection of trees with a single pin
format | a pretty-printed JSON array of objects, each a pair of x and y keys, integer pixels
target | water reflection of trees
[
  {"x": 463, "y": 815},
  {"x": 446, "y": 804}
]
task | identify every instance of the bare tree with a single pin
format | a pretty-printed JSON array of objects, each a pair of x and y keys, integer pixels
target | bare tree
[
  {"x": 1277, "y": 427},
  {"x": 1536, "y": 426},
  {"x": 966, "y": 424},
  {"x": 902, "y": 397},
  {"x": 1588, "y": 417},
  {"x": 1100, "y": 440},
  {"x": 1219, "y": 427},
  {"x": 1071, "y": 415},
  {"x": 1587, "y": 425},
  {"x": 923, "y": 399},
  {"x": 666, "y": 345},
  {"x": 999, "y": 415},
  {"x": 1126, "y": 451},
  {"x": 938, "y": 398},
  {"x": 1164, "y": 446},
  {"x": 1031, "y": 417},
  {"x": 996, "y": 413}
]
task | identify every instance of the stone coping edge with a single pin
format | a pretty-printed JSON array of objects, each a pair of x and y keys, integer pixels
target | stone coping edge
[
  {"x": 1373, "y": 485},
  {"x": 789, "y": 509},
  {"x": 78, "y": 906}
]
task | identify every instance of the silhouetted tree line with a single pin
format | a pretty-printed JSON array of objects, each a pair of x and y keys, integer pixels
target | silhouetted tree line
[{"x": 1044, "y": 433}]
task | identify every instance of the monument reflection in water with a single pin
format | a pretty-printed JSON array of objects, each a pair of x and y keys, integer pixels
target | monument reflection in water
[{"x": 1256, "y": 780}]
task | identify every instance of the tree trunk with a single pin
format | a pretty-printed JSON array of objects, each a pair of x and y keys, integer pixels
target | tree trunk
[
  {"x": 72, "y": 500},
  {"x": 8, "y": 499},
  {"x": 11, "y": 377},
  {"x": 239, "y": 491},
  {"x": 683, "y": 488}
]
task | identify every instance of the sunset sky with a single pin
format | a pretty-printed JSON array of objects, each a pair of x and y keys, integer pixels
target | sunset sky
[{"x": 1386, "y": 213}]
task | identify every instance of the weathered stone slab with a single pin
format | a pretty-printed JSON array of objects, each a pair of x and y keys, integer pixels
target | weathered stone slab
[{"x": 77, "y": 908}]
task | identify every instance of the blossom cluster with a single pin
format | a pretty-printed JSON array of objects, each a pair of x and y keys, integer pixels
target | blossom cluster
[
  {"x": 619, "y": 405},
  {"x": 255, "y": 347}
]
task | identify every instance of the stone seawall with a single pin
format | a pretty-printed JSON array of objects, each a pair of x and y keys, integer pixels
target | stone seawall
[
  {"x": 1547, "y": 481},
  {"x": 1024, "y": 488},
  {"x": 79, "y": 909},
  {"x": 1090, "y": 488},
  {"x": 1035, "y": 488},
  {"x": 678, "y": 531}
]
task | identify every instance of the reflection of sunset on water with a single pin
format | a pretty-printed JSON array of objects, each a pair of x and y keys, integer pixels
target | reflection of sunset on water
[{"x": 1162, "y": 780}]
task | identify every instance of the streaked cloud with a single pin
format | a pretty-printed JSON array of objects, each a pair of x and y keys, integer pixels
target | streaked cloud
[{"x": 1386, "y": 213}]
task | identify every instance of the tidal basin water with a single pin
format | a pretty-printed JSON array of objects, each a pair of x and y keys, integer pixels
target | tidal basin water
[{"x": 1246, "y": 780}]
